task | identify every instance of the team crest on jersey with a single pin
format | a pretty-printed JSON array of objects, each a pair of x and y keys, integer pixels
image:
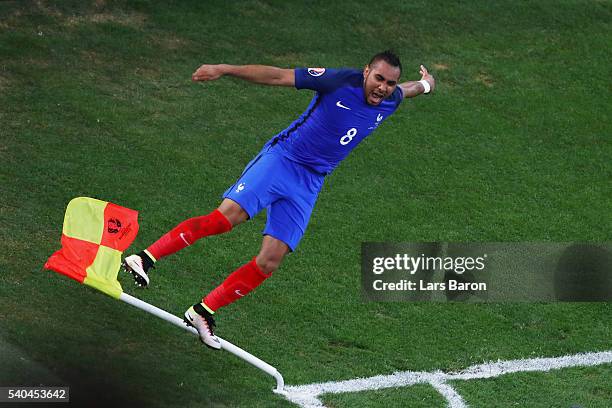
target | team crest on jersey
[
  {"x": 379, "y": 119},
  {"x": 315, "y": 72}
]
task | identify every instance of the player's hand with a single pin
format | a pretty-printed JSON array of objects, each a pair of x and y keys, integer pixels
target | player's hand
[
  {"x": 425, "y": 75},
  {"x": 207, "y": 73}
]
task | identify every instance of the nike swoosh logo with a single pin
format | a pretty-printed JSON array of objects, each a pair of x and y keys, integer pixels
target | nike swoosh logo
[
  {"x": 237, "y": 291},
  {"x": 182, "y": 235},
  {"x": 340, "y": 105}
]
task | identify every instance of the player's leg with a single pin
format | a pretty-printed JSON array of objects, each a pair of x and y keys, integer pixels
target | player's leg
[
  {"x": 238, "y": 284},
  {"x": 222, "y": 219},
  {"x": 248, "y": 276},
  {"x": 240, "y": 202},
  {"x": 233, "y": 212},
  {"x": 287, "y": 220},
  {"x": 269, "y": 183}
]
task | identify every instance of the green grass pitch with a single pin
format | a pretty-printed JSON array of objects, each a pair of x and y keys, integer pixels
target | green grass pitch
[{"x": 96, "y": 100}]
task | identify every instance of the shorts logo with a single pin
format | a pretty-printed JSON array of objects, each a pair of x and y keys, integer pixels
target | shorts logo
[
  {"x": 316, "y": 72},
  {"x": 240, "y": 187}
]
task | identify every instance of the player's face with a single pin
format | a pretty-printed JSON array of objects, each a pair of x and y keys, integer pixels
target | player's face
[{"x": 379, "y": 81}]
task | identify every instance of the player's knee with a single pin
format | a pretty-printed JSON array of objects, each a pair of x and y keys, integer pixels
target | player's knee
[
  {"x": 233, "y": 212},
  {"x": 269, "y": 262},
  {"x": 271, "y": 254}
]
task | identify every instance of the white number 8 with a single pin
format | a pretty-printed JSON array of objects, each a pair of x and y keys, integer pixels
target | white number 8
[{"x": 348, "y": 138}]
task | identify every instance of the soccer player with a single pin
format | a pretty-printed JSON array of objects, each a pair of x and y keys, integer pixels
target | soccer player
[{"x": 288, "y": 173}]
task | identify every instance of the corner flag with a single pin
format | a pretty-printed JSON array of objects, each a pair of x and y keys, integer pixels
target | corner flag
[{"x": 94, "y": 236}]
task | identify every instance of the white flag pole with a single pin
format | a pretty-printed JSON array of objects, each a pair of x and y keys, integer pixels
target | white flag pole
[{"x": 225, "y": 345}]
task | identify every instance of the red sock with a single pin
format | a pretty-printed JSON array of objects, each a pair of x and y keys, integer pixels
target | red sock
[
  {"x": 188, "y": 232},
  {"x": 238, "y": 284}
]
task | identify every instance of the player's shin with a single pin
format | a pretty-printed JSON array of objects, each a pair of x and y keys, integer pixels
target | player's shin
[
  {"x": 238, "y": 284},
  {"x": 188, "y": 232}
]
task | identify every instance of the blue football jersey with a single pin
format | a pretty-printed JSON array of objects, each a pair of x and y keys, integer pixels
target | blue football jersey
[{"x": 336, "y": 121}]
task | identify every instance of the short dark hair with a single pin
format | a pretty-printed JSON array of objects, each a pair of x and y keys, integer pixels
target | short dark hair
[{"x": 389, "y": 57}]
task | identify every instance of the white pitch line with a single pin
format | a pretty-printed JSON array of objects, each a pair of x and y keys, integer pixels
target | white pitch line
[
  {"x": 307, "y": 396},
  {"x": 448, "y": 392},
  {"x": 533, "y": 364}
]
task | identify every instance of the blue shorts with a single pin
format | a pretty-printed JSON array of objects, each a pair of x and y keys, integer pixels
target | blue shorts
[{"x": 288, "y": 190}]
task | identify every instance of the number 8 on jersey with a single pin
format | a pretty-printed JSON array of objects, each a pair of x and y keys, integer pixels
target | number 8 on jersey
[{"x": 348, "y": 138}]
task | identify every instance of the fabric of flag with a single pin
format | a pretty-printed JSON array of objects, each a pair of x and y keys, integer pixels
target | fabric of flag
[{"x": 94, "y": 236}]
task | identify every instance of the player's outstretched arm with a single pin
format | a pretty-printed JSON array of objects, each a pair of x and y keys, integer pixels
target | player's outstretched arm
[
  {"x": 416, "y": 88},
  {"x": 259, "y": 74}
]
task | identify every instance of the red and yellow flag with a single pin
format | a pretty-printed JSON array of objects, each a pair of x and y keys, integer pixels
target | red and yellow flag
[{"x": 94, "y": 236}]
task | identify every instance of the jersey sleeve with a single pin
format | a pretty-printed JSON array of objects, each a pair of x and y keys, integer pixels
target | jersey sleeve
[
  {"x": 397, "y": 96},
  {"x": 320, "y": 79}
]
